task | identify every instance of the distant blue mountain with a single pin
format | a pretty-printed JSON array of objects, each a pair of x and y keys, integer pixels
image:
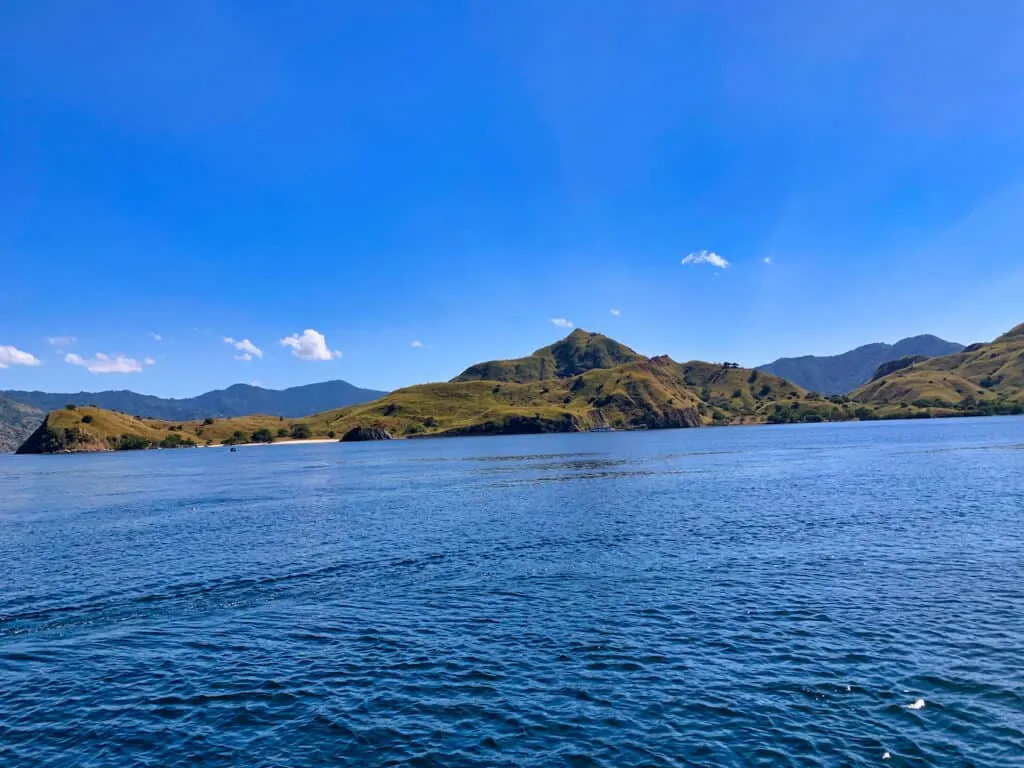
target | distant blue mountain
[
  {"x": 839, "y": 374},
  {"x": 17, "y": 422},
  {"x": 236, "y": 400}
]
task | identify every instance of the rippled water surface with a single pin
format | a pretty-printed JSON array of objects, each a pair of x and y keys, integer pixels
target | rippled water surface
[{"x": 721, "y": 597}]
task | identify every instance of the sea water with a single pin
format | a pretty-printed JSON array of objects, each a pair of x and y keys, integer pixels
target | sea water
[{"x": 814, "y": 595}]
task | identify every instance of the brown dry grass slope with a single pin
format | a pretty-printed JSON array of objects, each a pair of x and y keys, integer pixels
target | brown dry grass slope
[{"x": 982, "y": 375}]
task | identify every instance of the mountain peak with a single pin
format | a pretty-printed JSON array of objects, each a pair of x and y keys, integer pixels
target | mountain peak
[
  {"x": 1014, "y": 333},
  {"x": 838, "y": 374},
  {"x": 577, "y": 353},
  {"x": 579, "y": 333}
]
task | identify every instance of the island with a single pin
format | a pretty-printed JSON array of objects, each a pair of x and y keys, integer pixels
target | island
[{"x": 585, "y": 381}]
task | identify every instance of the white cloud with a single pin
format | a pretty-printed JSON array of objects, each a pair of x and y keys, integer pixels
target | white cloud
[
  {"x": 149, "y": 361},
  {"x": 561, "y": 322},
  {"x": 767, "y": 259},
  {"x": 14, "y": 356},
  {"x": 706, "y": 257},
  {"x": 246, "y": 349},
  {"x": 615, "y": 312},
  {"x": 101, "y": 363},
  {"x": 156, "y": 336},
  {"x": 61, "y": 341},
  {"x": 417, "y": 344},
  {"x": 310, "y": 345}
]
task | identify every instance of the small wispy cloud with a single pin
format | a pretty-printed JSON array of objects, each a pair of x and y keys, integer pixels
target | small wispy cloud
[
  {"x": 706, "y": 257},
  {"x": 101, "y": 363},
  {"x": 246, "y": 349},
  {"x": 561, "y": 322},
  {"x": 61, "y": 341},
  {"x": 149, "y": 361},
  {"x": 310, "y": 345},
  {"x": 13, "y": 356},
  {"x": 156, "y": 336},
  {"x": 417, "y": 344},
  {"x": 767, "y": 260},
  {"x": 615, "y": 312}
]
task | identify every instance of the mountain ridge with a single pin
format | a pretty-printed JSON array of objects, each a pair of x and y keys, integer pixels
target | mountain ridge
[
  {"x": 985, "y": 377},
  {"x": 17, "y": 422},
  {"x": 581, "y": 382},
  {"x": 578, "y": 392},
  {"x": 235, "y": 400},
  {"x": 845, "y": 372}
]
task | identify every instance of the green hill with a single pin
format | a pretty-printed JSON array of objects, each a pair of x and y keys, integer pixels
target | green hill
[
  {"x": 840, "y": 374},
  {"x": 983, "y": 378},
  {"x": 90, "y": 429},
  {"x": 581, "y": 382},
  {"x": 652, "y": 393},
  {"x": 584, "y": 381}
]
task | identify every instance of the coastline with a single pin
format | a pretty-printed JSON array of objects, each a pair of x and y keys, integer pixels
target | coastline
[{"x": 278, "y": 442}]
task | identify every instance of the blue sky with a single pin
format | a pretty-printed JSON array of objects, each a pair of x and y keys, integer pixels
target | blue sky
[{"x": 459, "y": 174}]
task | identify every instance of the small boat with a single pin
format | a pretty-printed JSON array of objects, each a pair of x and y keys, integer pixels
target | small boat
[
  {"x": 603, "y": 428},
  {"x": 233, "y": 449}
]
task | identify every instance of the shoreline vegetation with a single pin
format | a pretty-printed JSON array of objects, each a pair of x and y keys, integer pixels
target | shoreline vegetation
[{"x": 583, "y": 382}]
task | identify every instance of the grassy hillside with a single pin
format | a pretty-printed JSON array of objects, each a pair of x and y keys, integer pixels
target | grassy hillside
[
  {"x": 96, "y": 429},
  {"x": 981, "y": 378},
  {"x": 17, "y": 422},
  {"x": 656, "y": 393},
  {"x": 577, "y": 353},
  {"x": 840, "y": 374},
  {"x": 896, "y": 365},
  {"x": 584, "y": 388}
]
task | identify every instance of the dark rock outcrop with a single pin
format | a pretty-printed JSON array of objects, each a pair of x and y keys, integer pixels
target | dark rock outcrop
[
  {"x": 518, "y": 424},
  {"x": 670, "y": 419},
  {"x": 364, "y": 434},
  {"x": 47, "y": 439},
  {"x": 897, "y": 365}
]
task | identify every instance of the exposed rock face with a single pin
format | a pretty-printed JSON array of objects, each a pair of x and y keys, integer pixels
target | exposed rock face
[
  {"x": 673, "y": 419},
  {"x": 519, "y": 425},
  {"x": 363, "y": 434},
  {"x": 42, "y": 440}
]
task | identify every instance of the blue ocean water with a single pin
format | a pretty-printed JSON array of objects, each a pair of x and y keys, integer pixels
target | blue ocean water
[{"x": 776, "y": 596}]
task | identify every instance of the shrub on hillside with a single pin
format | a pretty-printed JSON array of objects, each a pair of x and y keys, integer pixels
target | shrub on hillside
[
  {"x": 132, "y": 443},
  {"x": 262, "y": 436}
]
